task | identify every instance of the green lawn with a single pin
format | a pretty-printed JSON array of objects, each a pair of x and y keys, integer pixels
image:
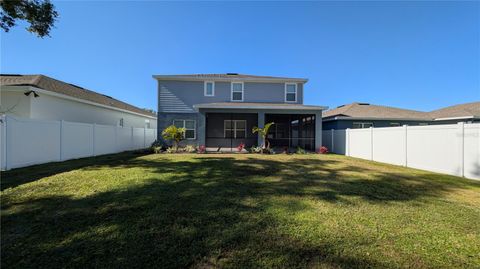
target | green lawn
[{"x": 237, "y": 211}]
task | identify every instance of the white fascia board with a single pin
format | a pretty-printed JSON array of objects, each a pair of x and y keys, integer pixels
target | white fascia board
[
  {"x": 457, "y": 118},
  {"x": 63, "y": 96}
]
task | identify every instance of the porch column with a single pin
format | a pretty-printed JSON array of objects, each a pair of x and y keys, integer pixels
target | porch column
[
  {"x": 201, "y": 128},
  {"x": 318, "y": 130},
  {"x": 261, "y": 124}
]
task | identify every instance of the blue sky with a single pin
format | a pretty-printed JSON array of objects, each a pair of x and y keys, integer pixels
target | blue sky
[{"x": 417, "y": 55}]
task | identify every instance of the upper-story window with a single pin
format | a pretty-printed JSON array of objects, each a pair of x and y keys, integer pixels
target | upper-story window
[
  {"x": 209, "y": 88},
  {"x": 237, "y": 91},
  {"x": 290, "y": 92}
]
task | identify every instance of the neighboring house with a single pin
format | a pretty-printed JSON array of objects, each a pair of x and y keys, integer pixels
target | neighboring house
[
  {"x": 220, "y": 110},
  {"x": 364, "y": 115},
  {"x": 45, "y": 98},
  {"x": 469, "y": 113}
]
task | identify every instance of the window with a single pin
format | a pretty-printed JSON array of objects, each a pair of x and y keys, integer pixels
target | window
[
  {"x": 147, "y": 124},
  {"x": 361, "y": 125},
  {"x": 120, "y": 122},
  {"x": 394, "y": 124},
  {"x": 235, "y": 128},
  {"x": 189, "y": 126},
  {"x": 290, "y": 92},
  {"x": 237, "y": 91},
  {"x": 423, "y": 124},
  {"x": 209, "y": 88}
]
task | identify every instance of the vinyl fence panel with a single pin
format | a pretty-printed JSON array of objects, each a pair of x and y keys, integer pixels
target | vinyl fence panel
[
  {"x": 124, "y": 138},
  {"x": 451, "y": 149},
  {"x": 360, "y": 143},
  {"x": 105, "y": 139},
  {"x": 27, "y": 141},
  {"x": 138, "y": 138},
  {"x": 389, "y": 145},
  {"x": 32, "y": 142},
  {"x": 434, "y": 148},
  {"x": 77, "y": 140},
  {"x": 471, "y": 149}
]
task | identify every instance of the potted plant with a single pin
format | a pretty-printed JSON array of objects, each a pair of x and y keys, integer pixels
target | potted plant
[{"x": 263, "y": 132}]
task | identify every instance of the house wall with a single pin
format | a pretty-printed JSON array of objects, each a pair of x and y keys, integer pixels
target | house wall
[
  {"x": 180, "y": 96},
  {"x": 15, "y": 103},
  {"x": 48, "y": 107},
  {"x": 344, "y": 124},
  {"x": 166, "y": 119}
]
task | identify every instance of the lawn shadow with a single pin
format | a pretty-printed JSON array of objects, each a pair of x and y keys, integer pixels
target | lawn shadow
[
  {"x": 19, "y": 176},
  {"x": 211, "y": 212}
]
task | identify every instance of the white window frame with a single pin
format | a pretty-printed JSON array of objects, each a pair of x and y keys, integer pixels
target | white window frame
[
  {"x": 184, "y": 126},
  {"x": 296, "y": 92},
  {"x": 231, "y": 91},
  {"x": 205, "y": 88},
  {"x": 233, "y": 129},
  {"x": 362, "y": 123},
  {"x": 121, "y": 122}
]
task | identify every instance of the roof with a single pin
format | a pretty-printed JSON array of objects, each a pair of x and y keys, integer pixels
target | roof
[
  {"x": 365, "y": 110},
  {"x": 229, "y": 77},
  {"x": 242, "y": 105},
  {"x": 57, "y": 86},
  {"x": 457, "y": 111}
]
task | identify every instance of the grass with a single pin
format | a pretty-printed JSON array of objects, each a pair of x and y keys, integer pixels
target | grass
[{"x": 237, "y": 211}]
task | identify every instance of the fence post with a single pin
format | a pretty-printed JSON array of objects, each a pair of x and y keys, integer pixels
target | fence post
[
  {"x": 406, "y": 144},
  {"x": 94, "y": 134},
  {"x": 144, "y": 137},
  {"x": 7, "y": 142},
  {"x": 333, "y": 140},
  {"x": 3, "y": 143},
  {"x": 61, "y": 140},
  {"x": 371, "y": 143},
  {"x": 347, "y": 142},
  {"x": 461, "y": 127},
  {"x": 132, "y": 145}
]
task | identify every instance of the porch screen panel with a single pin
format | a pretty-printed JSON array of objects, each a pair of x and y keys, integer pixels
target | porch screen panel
[{"x": 292, "y": 130}]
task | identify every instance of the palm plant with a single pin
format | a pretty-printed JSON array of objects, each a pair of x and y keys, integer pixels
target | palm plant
[
  {"x": 263, "y": 132},
  {"x": 174, "y": 134}
]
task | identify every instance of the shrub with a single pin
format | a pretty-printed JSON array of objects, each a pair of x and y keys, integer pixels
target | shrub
[
  {"x": 189, "y": 149},
  {"x": 156, "y": 146},
  {"x": 263, "y": 132},
  {"x": 202, "y": 149},
  {"x": 174, "y": 134},
  {"x": 241, "y": 147},
  {"x": 171, "y": 149},
  {"x": 256, "y": 149},
  {"x": 300, "y": 150},
  {"x": 323, "y": 150}
]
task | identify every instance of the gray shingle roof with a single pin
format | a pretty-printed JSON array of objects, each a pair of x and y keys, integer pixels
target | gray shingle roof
[
  {"x": 57, "y": 86},
  {"x": 364, "y": 110},
  {"x": 228, "y": 76},
  {"x": 462, "y": 110}
]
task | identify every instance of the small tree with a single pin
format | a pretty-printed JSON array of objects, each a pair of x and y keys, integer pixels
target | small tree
[
  {"x": 263, "y": 132},
  {"x": 174, "y": 134}
]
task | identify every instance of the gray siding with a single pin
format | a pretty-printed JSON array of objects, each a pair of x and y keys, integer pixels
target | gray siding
[{"x": 180, "y": 96}]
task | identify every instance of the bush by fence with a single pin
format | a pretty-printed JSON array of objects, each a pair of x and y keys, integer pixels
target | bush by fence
[{"x": 27, "y": 141}]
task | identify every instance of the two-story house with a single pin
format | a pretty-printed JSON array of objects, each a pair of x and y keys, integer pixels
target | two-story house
[{"x": 220, "y": 110}]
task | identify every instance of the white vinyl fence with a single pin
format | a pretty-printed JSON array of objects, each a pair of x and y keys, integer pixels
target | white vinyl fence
[
  {"x": 451, "y": 149},
  {"x": 26, "y": 142}
]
